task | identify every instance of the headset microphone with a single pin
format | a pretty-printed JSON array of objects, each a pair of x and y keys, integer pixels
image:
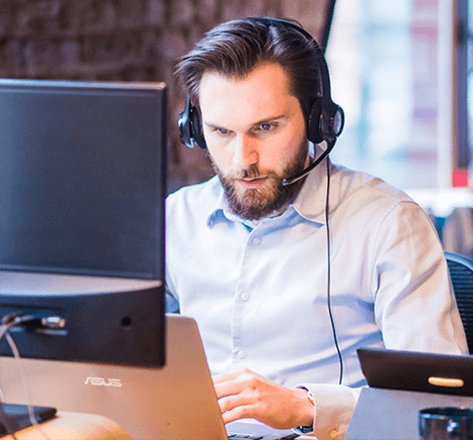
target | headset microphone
[
  {"x": 290, "y": 180},
  {"x": 337, "y": 125}
]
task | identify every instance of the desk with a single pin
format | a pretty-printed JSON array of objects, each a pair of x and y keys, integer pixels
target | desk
[{"x": 73, "y": 426}]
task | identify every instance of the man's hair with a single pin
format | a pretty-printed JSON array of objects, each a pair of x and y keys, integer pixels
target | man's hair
[{"x": 236, "y": 47}]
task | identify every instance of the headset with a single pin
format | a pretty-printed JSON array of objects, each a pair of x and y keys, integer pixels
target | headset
[{"x": 324, "y": 123}]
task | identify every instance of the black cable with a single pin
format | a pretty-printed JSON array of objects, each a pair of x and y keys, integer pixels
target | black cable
[{"x": 327, "y": 198}]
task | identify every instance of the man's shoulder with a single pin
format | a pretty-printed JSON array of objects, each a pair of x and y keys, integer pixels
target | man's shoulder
[
  {"x": 365, "y": 185},
  {"x": 366, "y": 195}
]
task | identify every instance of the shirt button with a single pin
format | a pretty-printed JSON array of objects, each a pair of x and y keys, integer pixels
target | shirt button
[
  {"x": 256, "y": 241},
  {"x": 333, "y": 433},
  {"x": 244, "y": 297},
  {"x": 242, "y": 354}
]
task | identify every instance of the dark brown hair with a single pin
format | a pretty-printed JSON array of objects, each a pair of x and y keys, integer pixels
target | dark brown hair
[{"x": 236, "y": 47}]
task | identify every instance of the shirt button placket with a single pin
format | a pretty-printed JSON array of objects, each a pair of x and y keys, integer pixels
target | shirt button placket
[
  {"x": 242, "y": 354},
  {"x": 244, "y": 296}
]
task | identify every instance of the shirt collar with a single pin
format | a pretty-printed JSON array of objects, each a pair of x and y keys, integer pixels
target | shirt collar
[
  {"x": 309, "y": 203},
  {"x": 217, "y": 213},
  {"x": 221, "y": 210}
]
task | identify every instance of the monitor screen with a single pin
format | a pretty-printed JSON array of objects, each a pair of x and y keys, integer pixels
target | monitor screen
[{"x": 82, "y": 167}]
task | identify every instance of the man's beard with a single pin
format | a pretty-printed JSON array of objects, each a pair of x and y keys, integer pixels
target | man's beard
[{"x": 271, "y": 197}]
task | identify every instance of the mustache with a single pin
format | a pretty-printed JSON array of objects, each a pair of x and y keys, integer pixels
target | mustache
[{"x": 250, "y": 172}]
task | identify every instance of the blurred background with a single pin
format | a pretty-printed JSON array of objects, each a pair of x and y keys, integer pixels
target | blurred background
[{"x": 400, "y": 69}]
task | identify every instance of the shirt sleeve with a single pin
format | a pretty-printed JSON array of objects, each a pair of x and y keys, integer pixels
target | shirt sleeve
[
  {"x": 172, "y": 304},
  {"x": 333, "y": 408},
  {"x": 414, "y": 304},
  {"x": 414, "y": 307}
]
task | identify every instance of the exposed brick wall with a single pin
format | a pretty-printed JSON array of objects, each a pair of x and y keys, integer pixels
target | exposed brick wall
[{"x": 127, "y": 40}]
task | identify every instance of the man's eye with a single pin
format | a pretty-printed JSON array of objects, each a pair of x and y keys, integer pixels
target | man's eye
[
  {"x": 266, "y": 126},
  {"x": 221, "y": 130}
]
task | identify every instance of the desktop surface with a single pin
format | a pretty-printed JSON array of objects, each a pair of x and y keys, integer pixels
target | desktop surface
[
  {"x": 73, "y": 426},
  {"x": 383, "y": 414}
]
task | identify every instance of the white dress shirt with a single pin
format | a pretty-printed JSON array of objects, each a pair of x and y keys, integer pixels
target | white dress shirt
[{"x": 259, "y": 293}]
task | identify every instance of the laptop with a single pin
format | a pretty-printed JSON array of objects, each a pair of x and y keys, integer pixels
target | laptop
[
  {"x": 401, "y": 383},
  {"x": 176, "y": 402},
  {"x": 414, "y": 371}
]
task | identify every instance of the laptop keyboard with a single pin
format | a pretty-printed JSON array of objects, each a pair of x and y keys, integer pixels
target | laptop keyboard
[
  {"x": 244, "y": 436},
  {"x": 258, "y": 437}
]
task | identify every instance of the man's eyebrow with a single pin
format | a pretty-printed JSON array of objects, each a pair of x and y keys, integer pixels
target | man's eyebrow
[
  {"x": 270, "y": 119},
  {"x": 211, "y": 125},
  {"x": 254, "y": 124}
]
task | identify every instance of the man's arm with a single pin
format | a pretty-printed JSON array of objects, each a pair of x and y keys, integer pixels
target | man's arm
[{"x": 245, "y": 394}]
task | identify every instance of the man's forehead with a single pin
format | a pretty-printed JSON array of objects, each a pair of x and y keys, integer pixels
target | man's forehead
[
  {"x": 271, "y": 74},
  {"x": 266, "y": 82}
]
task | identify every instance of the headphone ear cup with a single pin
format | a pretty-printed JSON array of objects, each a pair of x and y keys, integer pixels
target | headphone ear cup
[
  {"x": 190, "y": 128},
  {"x": 314, "y": 132},
  {"x": 185, "y": 125},
  {"x": 198, "y": 135}
]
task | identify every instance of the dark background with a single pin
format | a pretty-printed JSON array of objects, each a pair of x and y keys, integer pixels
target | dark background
[{"x": 131, "y": 40}]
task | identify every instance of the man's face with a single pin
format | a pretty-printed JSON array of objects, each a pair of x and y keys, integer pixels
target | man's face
[{"x": 256, "y": 136}]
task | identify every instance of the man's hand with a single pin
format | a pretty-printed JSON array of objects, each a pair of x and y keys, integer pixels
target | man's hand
[{"x": 243, "y": 394}]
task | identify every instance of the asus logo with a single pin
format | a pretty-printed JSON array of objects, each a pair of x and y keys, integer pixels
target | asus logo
[{"x": 101, "y": 382}]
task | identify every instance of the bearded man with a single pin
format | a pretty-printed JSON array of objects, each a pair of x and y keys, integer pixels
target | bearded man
[{"x": 289, "y": 267}]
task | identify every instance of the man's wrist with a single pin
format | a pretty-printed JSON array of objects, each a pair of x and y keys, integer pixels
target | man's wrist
[{"x": 307, "y": 427}]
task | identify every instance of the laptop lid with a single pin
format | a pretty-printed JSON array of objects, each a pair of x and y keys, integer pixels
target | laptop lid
[
  {"x": 414, "y": 371},
  {"x": 177, "y": 401}
]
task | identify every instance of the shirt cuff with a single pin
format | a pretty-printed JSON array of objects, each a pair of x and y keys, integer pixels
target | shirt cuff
[{"x": 333, "y": 408}]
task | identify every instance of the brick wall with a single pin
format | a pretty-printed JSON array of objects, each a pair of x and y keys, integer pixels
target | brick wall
[{"x": 127, "y": 40}]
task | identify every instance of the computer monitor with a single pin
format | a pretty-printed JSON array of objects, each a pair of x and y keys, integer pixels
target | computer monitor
[
  {"x": 82, "y": 167},
  {"x": 83, "y": 184}
]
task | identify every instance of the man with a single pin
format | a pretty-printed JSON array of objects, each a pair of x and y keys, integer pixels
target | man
[{"x": 287, "y": 280}]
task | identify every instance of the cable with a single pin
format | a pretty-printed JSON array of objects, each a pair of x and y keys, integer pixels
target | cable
[
  {"x": 8, "y": 428},
  {"x": 26, "y": 385},
  {"x": 8, "y": 322},
  {"x": 327, "y": 198}
]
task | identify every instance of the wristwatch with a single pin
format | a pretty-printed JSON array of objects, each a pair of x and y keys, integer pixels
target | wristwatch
[
  {"x": 306, "y": 429},
  {"x": 301, "y": 430}
]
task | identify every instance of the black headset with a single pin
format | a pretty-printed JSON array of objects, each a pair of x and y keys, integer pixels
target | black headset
[{"x": 325, "y": 121}]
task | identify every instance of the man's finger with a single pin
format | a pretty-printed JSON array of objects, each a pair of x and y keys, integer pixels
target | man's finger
[
  {"x": 240, "y": 412},
  {"x": 232, "y": 375}
]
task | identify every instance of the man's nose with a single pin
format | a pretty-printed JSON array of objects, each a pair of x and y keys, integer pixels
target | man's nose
[{"x": 245, "y": 151}]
